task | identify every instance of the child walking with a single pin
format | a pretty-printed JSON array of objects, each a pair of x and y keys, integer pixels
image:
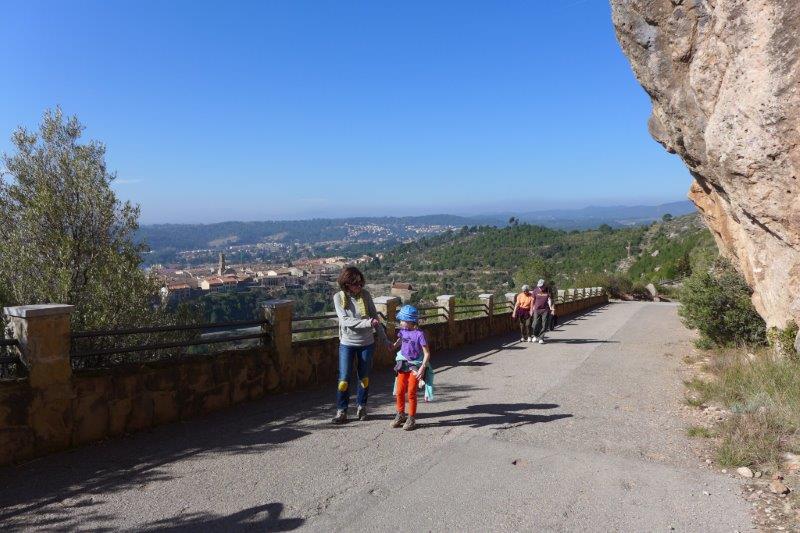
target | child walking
[{"x": 412, "y": 361}]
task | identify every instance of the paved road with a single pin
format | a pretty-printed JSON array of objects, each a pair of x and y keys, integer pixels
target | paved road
[{"x": 577, "y": 434}]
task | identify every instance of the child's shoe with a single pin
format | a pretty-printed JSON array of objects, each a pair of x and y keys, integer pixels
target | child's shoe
[
  {"x": 421, "y": 384},
  {"x": 340, "y": 418},
  {"x": 398, "y": 420},
  {"x": 523, "y": 339},
  {"x": 410, "y": 424},
  {"x": 361, "y": 413},
  {"x": 534, "y": 339},
  {"x": 541, "y": 341}
]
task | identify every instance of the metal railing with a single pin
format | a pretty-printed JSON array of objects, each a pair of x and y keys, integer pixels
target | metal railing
[
  {"x": 477, "y": 309},
  {"x": 442, "y": 312},
  {"x": 503, "y": 307},
  {"x": 104, "y": 349},
  {"x": 314, "y": 331}
]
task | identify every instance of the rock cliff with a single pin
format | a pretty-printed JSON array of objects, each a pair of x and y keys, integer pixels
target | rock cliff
[{"x": 724, "y": 79}]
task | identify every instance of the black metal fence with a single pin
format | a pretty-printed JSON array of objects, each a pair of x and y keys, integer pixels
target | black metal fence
[
  {"x": 472, "y": 310},
  {"x": 503, "y": 307},
  {"x": 315, "y": 326},
  {"x": 107, "y": 348}
]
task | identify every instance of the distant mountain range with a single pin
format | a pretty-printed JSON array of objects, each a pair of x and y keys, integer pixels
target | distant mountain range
[
  {"x": 593, "y": 216},
  {"x": 199, "y": 236}
]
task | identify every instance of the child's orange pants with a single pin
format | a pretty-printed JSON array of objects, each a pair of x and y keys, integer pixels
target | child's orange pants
[{"x": 407, "y": 385}]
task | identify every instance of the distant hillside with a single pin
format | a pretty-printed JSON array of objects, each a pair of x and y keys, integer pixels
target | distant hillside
[
  {"x": 198, "y": 236},
  {"x": 594, "y": 216},
  {"x": 488, "y": 258}
]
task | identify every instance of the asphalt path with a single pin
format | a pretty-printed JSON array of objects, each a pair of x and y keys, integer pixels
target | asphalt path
[{"x": 581, "y": 433}]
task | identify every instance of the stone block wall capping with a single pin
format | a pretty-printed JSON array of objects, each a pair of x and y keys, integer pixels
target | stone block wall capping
[
  {"x": 448, "y": 301},
  {"x": 488, "y": 301},
  {"x": 43, "y": 336}
]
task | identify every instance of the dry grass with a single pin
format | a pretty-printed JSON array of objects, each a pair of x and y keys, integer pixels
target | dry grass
[
  {"x": 700, "y": 432},
  {"x": 763, "y": 395}
]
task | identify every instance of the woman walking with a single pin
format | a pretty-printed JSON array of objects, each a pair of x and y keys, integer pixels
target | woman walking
[
  {"x": 358, "y": 320},
  {"x": 542, "y": 307},
  {"x": 523, "y": 307}
]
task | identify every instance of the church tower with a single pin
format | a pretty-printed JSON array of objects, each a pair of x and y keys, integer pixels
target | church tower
[{"x": 221, "y": 267}]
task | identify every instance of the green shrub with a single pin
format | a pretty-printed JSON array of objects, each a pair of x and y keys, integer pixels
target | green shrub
[
  {"x": 717, "y": 304},
  {"x": 782, "y": 340}
]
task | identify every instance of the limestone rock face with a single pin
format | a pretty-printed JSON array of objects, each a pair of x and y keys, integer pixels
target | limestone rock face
[{"x": 724, "y": 79}]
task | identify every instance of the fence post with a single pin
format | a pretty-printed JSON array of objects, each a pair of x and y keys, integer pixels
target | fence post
[
  {"x": 448, "y": 301},
  {"x": 43, "y": 332},
  {"x": 511, "y": 297},
  {"x": 488, "y": 301},
  {"x": 279, "y": 314},
  {"x": 388, "y": 306}
]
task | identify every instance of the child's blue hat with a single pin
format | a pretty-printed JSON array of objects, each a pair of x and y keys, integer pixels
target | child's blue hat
[{"x": 408, "y": 313}]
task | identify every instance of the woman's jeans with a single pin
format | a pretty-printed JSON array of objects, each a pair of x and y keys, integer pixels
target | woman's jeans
[{"x": 363, "y": 364}]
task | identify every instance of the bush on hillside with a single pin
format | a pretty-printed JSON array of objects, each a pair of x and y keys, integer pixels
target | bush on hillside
[
  {"x": 616, "y": 285},
  {"x": 716, "y": 302}
]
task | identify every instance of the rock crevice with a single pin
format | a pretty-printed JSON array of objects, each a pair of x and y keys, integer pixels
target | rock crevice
[{"x": 724, "y": 80}]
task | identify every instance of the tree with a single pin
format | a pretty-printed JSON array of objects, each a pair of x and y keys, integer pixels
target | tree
[
  {"x": 717, "y": 304},
  {"x": 66, "y": 236},
  {"x": 667, "y": 217},
  {"x": 605, "y": 228},
  {"x": 535, "y": 269}
]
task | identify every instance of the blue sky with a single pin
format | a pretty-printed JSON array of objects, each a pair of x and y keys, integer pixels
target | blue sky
[{"x": 294, "y": 109}]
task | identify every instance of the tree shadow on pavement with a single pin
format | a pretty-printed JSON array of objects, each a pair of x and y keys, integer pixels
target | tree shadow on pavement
[
  {"x": 552, "y": 340},
  {"x": 260, "y": 518},
  {"x": 482, "y": 415},
  {"x": 70, "y": 489}
]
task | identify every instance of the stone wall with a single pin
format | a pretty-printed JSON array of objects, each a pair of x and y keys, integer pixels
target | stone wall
[
  {"x": 99, "y": 404},
  {"x": 55, "y": 408}
]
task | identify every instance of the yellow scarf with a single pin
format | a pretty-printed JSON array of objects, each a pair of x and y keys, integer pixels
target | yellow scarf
[{"x": 359, "y": 302}]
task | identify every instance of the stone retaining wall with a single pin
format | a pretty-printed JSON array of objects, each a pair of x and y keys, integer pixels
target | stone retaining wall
[{"x": 55, "y": 408}]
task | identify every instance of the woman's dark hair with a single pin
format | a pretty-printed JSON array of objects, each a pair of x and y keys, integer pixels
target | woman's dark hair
[{"x": 350, "y": 276}]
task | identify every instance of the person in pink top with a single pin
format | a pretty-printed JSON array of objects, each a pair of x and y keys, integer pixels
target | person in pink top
[{"x": 542, "y": 307}]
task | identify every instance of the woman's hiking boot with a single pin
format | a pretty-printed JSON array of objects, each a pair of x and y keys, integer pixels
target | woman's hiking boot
[
  {"x": 361, "y": 412},
  {"x": 410, "y": 424},
  {"x": 341, "y": 417},
  {"x": 399, "y": 418}
]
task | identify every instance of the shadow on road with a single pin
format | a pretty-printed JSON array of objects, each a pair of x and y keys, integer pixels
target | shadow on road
[
  {"x": 482, "y": 415},
  {"x": 551, "y": 340},
  {"x": 68, "y": 489},
  {"x": 261, "y": 518}
]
